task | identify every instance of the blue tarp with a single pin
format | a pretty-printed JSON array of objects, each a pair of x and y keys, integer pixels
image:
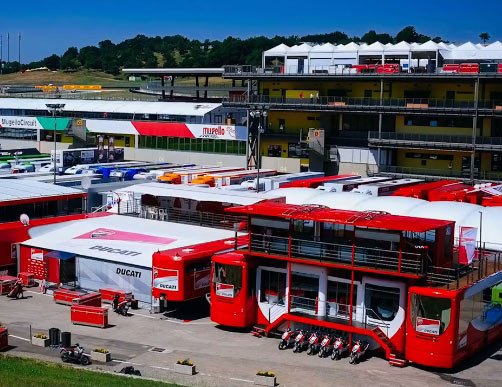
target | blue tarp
[{"x": 63, "y": 256}]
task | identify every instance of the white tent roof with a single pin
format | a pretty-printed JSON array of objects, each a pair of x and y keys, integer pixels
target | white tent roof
[
  {"x": 302, "y": 49},
  {"x": 102, "y": 106},
  {"x": 198, "y": 193},
  {"x": 326, "y": 47},
  {"x": 375, "y": 48},
  {"x": 281, "y": 49},
  {"x": 494, "y": 46},
  {"x": 464, "y": 214},
  {"x": 20, "y": 189},
  {"x": 296, "y": 195},
  {"x": 349, "y": 47},
  {"x": 427, "y": 46},
  {"x": 401, "y": 46},
  {"x": 120, "y": 238}
]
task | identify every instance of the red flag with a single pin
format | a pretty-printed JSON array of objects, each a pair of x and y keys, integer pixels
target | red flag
[{"x": 467, "y": 245}]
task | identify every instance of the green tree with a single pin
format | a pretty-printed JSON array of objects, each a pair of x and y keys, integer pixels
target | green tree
[
  {"x": 484, "y": 36},
  {"x": 90, "y": 57},
  {"x": 69, "y": 60},
  {"x": 408, "y": 34},
  {"x": 52, "y": 62}
]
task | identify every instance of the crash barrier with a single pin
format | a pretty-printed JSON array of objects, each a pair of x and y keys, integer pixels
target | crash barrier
[
  {"x": 54, "y": 337},
  {"x": 65, "y": 296},
  {"x": 66, "y": 339},
  {"x": 91, "y": 299},
  {"x": 107, "y": 295},
  {"x": 6, "y": 283},
  {"x": 89, "y": 315},
  {"x": 4, "y": 338},
  {"x": 27, "y": 278}
]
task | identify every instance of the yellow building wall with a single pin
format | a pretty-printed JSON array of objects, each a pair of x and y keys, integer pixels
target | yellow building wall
[
  {"x": 294, "y": 121},
  {"x": 463, "y": 91},
  {"x": 451, "y": 131},
  {"x": 404, "y": 161}
]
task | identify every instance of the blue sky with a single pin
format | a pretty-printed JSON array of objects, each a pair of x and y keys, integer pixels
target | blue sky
[{"x": 49, "y": 27}]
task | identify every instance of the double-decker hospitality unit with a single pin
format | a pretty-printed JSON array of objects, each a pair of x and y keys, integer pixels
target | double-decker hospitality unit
[{"x": 397, "y": 281}]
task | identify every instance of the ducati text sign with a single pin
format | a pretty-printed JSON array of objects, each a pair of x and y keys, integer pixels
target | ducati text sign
[
  {"x": 169, "y": 280},
  {"x": 224, "y": 290},
  {"x": 426, "y": 325}
]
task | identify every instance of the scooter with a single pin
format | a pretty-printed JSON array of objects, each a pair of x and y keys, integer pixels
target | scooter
[
  {"x": 301, "y": 342},
  {"x": 358, "y": 351},
  {"x": 287, "y": 339},
  {"x": 75, "y": 354},
  {"x": 313, "y": 343},
  {"x": 16, "y": 291},
  {"x": 339, "y": 348},
  {"x": 325, "y": 346},
  {"x": 122, "y": 308}
]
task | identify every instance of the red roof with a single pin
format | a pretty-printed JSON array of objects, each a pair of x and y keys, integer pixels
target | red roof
[
  {"x": 231, "y": 258},
  {"x": 420, "y": 190},
  {"x": 376, "y": 220},
  {"x": 188, "y": 253}
]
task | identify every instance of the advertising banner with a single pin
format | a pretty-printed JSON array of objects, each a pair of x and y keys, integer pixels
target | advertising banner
[
  {"x": 224, "y": 290},
  {"x": 165, "y": 279},
  {"x": 467, "y": 245},
  {"x": 426, "y": 325},
  {"x": 20, "y": 122},
  {"x": 94, "y": 275},
  {"x": 201, "y": 279}
]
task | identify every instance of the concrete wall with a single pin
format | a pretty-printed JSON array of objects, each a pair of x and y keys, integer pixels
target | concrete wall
[
  {"x": 7, "y": 143},
  {"x": 156, "y": 155},
  {"x": 281, "y": 164}
]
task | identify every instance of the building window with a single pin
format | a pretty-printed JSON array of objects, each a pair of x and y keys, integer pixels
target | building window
[
  {"x": 430, "y": 315},
  {"x": 382, "y": 303},
  {"x": 496, "y": 162},
  {"x": 272, "y": 287}
]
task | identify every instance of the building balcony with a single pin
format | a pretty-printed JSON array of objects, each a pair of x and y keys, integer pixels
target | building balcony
[
  {"x": 435, "y": 141},
  {"x": 350, "y": 256},
  {"x": 369, "y": 105}
]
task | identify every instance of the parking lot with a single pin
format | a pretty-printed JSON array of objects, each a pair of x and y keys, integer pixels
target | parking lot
[{"x": 153, "y": 342}]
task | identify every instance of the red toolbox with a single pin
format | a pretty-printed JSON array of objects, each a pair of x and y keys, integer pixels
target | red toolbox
[
  {"x": 94, "y": 316},
  {"x": 4, "y": 338},
  {"x": 27, "y": 278},
  {"x": 108, "y": 294},
  {"x": 65, "y": 296},
  {"x": 6, "y": 283},
  {"x": 91, "y": 299}
]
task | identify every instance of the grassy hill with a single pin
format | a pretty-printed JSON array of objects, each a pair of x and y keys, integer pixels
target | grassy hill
[{"x": 84, "y": 77}]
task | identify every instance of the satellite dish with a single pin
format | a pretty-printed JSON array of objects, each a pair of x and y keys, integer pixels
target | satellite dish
[
  {"x": 25, "y": 219},
  {"x": 86, "y": 182}
]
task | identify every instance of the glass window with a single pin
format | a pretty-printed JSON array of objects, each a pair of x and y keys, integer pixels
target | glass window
[
  {"x": 338, "y": 299},
  {"x": 273, "y": 287},
  {"x": 228, "y": 274},
  {"x": 382, "y": 303},
  {"x": 430, "y": 314}
]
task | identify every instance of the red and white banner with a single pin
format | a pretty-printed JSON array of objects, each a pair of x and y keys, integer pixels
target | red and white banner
[
  {"x": 427, "y": 325},
  {"x": 224, "y": 290},
  {"x": 467, "y": 245},
  {"x": 165, "y": 279}
]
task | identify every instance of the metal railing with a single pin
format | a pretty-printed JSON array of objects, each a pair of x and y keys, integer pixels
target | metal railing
[
  {"x": 402, "y": 104},
  {"x": 399, "y": 261},
  {"x": 451, "y": 141},
  {"x": 463, "y": 275},
  {"x": 205, "y": 219},
  {"x": 433, "y": 173},
  {"x": 361, "y": 316},
  {"x": 338, "y": 70}
]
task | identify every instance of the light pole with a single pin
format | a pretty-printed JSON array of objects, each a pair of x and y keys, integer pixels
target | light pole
[
  {"x": 259, "y": 115},
  {"x": 55, "y": 108}
]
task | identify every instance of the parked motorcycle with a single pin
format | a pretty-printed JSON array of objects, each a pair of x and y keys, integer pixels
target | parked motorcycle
[
  {"x": 313, "y": 343},
  {"x": 325, "y": 346},
  {"x": 340, "y": 347},
  {"x": 75, "y": 354},
  {"x": 301, "y": 341},
  {"x": 287, "y": 339},
  {"x": 121, "y": 308},
  {"x": 17, "y": 290},
  {"x": 358, "y": 351}
]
